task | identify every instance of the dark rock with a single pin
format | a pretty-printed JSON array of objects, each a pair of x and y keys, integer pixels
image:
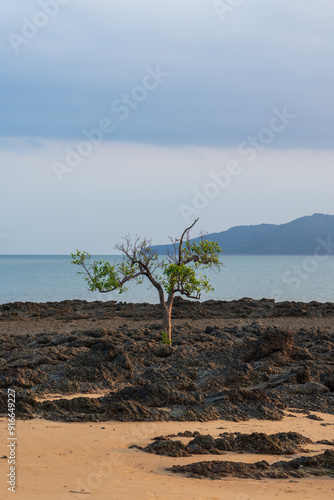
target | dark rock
[
  {"x": 167, "y": 447},
  {"x": 319, "y": 465},
  {"x": 315, "y": 417},
  {"x": 132, "y": 411},
  {"x": 283, "y": 443},
  {"x": 202, "y": 444},
  {"x": 271, "y": 342},
  {"x": 123, "y": 361},
  {"x": 164, "y": 351},
  {"x": 327, "y": 379}
]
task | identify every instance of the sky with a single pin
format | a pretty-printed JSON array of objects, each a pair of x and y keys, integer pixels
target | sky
[{"x": 127, "y": 117}]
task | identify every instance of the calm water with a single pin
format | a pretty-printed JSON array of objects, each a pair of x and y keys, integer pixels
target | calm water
[{"x": 53, "y": 278}]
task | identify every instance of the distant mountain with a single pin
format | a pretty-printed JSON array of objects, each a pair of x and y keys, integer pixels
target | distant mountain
[{"x": 299, "y": 237}]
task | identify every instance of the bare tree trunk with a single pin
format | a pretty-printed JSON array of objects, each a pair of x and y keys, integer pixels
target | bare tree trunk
[
  {"x": 167, "y": 316},
  {"x": 167, "y": 321}
]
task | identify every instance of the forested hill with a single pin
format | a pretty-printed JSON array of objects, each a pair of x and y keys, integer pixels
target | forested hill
[{"x": 299, "y": 237}]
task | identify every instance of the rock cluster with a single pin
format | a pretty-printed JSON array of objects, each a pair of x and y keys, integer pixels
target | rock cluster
[
  {"x": 282, "y": 443},
  {"x": 318, "y": 465},
  {"x": 234, "y": 372}
]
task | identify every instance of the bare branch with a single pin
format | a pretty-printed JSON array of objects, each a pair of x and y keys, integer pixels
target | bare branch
[
  {"x": 181, "y": 240},
  {"x": 140, "y": 253}
]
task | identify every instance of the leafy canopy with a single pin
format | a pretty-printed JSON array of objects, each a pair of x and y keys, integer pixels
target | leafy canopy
[{"x": 177, "y": 272}]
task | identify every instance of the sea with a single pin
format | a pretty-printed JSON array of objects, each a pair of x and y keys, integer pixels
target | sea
[{"x": 49, "y": 278}]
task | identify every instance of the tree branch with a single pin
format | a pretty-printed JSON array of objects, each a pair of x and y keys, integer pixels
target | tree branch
[
  {"x": 121, "y": 283},
  {"x": 139, "y": 253},
  {"x": 181, "y": 240}
]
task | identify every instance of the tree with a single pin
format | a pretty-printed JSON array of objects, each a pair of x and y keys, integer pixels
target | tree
[{"x": 177, "y": 273}]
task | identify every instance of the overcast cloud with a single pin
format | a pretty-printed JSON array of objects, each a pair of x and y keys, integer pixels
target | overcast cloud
[{"x": 170, "y": 92}]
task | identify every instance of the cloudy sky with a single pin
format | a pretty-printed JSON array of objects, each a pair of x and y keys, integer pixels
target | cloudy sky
[{"x": 124, "y": 117}]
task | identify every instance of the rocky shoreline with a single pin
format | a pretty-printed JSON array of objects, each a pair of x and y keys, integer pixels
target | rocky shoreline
[
  {"x": 70, "y": 310},
  {"x": 212, "y": 371}
]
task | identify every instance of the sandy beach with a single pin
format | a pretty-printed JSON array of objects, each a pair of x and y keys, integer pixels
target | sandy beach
[{"x": 57, "y": 459}]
